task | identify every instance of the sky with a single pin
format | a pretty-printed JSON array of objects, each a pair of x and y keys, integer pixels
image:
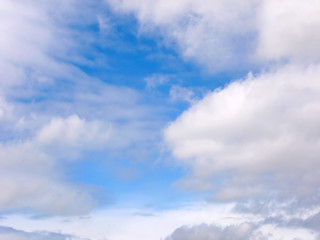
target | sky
[{"x": 159, "y": 119}]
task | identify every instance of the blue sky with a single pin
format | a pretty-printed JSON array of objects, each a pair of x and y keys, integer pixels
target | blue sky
[{"x": 174, "y": 120}]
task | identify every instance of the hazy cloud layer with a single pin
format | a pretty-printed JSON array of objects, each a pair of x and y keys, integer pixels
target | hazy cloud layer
[
  {"x": 245, "y": 231},
  {"x": 7, "y": 233}
]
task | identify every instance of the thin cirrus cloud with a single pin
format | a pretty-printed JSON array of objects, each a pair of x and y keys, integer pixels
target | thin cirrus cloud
[{"x": 13, "y": 234}]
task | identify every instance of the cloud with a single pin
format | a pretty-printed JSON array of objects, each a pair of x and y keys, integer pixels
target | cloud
[
  {"x": 32, "y": 180},
  {"x": 204, "y": 232},
  {"x": 287, "y": 30},
  {"x": 194, "y": 220},
  {"x": 222, "y": 35},
  {"x": 178, "y": 93},
  {"x": 52, "y": 113},
  {"x": 156, "y": 80},
  {"x": 260, "y": 133},
  {"x": 74, "y": 135},
  {"x": 5, "y": 108},
  {"x": 7, "y": 233},
  {"x": 38, "y": 52},
  {"x": 31, "y": 58},
  {"x": 247, "y": 231},
  {"x": 216, "y": 34}
]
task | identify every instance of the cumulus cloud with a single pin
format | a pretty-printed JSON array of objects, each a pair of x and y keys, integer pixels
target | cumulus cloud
[
  {"x": 263, "y": 127},
  {"x": 74, "y": 135}
]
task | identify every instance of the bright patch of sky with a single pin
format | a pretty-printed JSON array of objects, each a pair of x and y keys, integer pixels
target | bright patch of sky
[{"x": 175, "y": 120}]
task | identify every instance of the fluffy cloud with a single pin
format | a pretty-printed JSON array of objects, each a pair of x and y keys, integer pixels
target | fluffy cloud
[
  {"x": 31, "y": 173},
  {"x": 264, "y": 127},
  {"x": 288, "y": 30},
  {"x": 73, "y": 135}
]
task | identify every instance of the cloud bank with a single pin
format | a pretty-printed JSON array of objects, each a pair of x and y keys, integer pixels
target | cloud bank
[{"x": 13, "y": 234}]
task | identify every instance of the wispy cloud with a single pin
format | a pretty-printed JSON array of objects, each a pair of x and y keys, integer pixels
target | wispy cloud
[
  {"x": 7, "y": 233},
  {"x": 52, "y": 112}
]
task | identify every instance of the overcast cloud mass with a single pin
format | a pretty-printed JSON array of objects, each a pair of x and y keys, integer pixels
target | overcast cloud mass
[{"x": 174, "y": 120}]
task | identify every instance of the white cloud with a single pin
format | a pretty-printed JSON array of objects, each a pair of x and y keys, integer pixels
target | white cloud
[
  {"x": 261, "y": 133},
  {"x": 288, "y": 30},
  {"x": 5, "y": 108},
  {"x": 222, "y": 35},
  {"x": 178, "y": 93},
  {"x": 213, "y": 221},
  {"x": 32, "y": 172},
  {"x": 74, "y": 135},
  {"x": 52, "y": 112},
  {"x": 124, "y": 224},
  {"x": 216, "y": 34},
  {"x": 104, "y": 24},
  {"x": 32, "y": 180},
  {"x": 156, "y": 80}
]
